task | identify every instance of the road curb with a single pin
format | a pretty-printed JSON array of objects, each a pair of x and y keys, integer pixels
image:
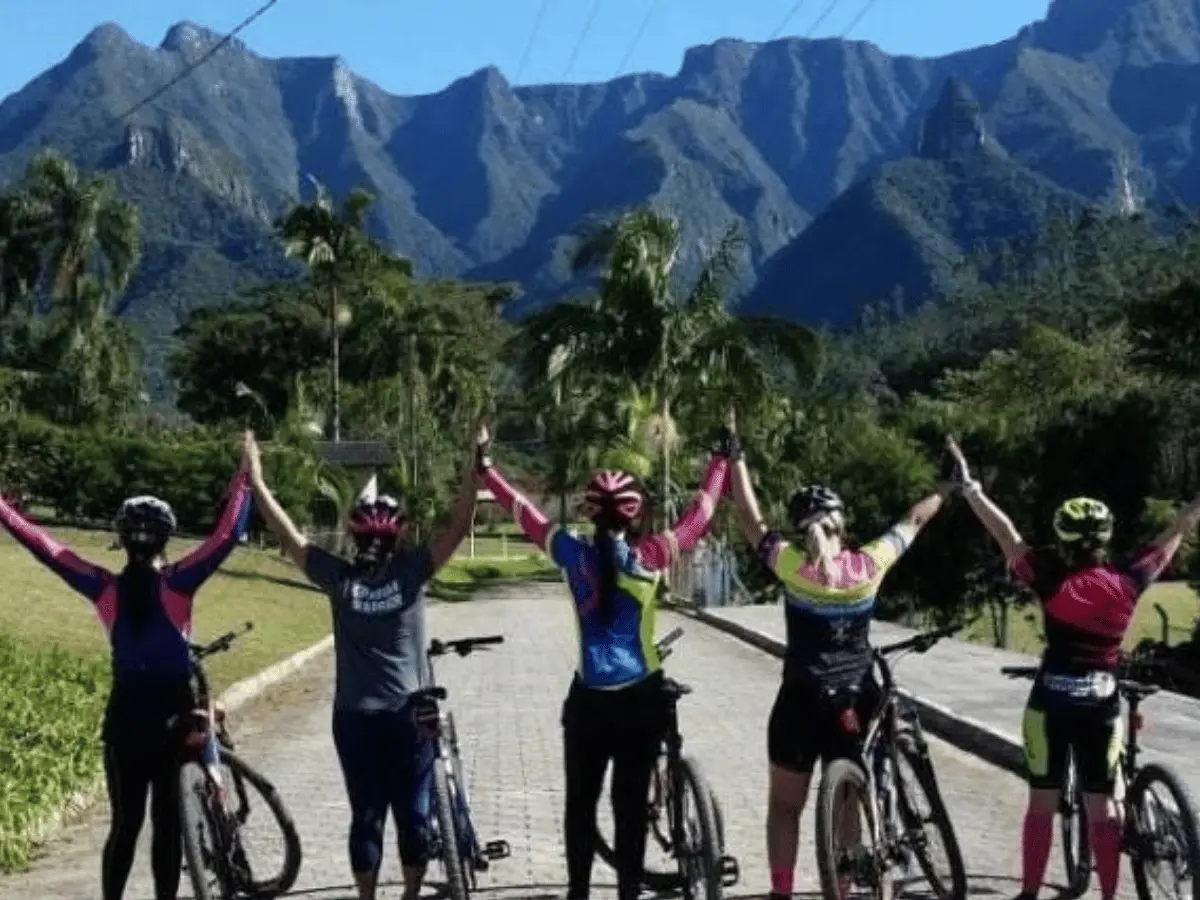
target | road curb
[
  {"x": 235, "y": 696},
  {"x": 965, "y": 733}
]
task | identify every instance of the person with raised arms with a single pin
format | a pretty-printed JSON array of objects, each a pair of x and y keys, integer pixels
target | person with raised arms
[
  {"x": 614, "y": 711},
  {"x": 830, "y": 591},
  {"x": 146, "y": 611},
  {"x": 1088, "y": 599},
  {"x": 377, "y": 599}
]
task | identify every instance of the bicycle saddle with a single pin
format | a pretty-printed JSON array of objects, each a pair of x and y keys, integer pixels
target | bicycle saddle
[{"x": 673, "y": 689}]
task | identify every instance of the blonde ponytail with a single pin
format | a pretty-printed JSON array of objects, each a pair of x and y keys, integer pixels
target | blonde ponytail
[{"x": 822, "y": 543}]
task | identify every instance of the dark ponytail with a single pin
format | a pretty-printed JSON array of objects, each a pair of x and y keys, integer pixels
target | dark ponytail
[{"x": 606, "y": 560}]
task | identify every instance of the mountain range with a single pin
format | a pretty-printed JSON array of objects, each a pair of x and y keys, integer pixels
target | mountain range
[{"x": 852, "y": 173}]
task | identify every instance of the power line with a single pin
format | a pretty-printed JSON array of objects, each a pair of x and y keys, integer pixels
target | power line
[
  {"x": 537, "y": 24},
  {"x": 858, "y": 18},
  {"x": 187, "y": 70},
  {"x": 787, "y": 18},
  {"x": 829, "y": 7},
  {"x": 587, "y": 26},
  {"x": 637, "y": 37}
]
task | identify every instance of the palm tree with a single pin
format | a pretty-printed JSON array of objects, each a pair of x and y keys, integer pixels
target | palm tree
[
  {"x": 89, "y": 237},
  {"x": 672, "y": 344},
  {"x": 330, "y": 241}
]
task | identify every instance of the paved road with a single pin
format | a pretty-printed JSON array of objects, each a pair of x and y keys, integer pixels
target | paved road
[
  {"x": 507, "y": 706},
  {"x": 965, "y": 679}
]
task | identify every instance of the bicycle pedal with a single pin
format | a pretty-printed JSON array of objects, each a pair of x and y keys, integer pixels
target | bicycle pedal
[
  {"x": 727, "y": 866},
  {"x": 497, "y": 850}
]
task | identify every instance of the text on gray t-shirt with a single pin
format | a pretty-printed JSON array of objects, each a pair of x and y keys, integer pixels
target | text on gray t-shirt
[{"x": 378, "y": 626}]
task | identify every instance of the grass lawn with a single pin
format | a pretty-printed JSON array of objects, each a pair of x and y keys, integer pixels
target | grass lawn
[
  {"x": 1025, "y": 623},
  {"x": 463, "y": 576}
]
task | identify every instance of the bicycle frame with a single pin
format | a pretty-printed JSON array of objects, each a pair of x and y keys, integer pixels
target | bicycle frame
[{"x": 884, "y": 727}]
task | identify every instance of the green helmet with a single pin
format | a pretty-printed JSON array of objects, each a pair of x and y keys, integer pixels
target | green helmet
[{"x": 1082, "y": 520}]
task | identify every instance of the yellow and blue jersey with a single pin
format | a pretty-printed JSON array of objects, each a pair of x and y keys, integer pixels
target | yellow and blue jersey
[
  {"x": 615, "y": 650},
  {"x": 829, "y": 623}
]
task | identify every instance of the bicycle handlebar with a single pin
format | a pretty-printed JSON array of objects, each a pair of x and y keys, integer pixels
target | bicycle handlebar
[
  {"x": 462, "y": 646},
  {"x": 221, "y": 644},
  {"x": 663, "y": 645},
  {"x": 921, "y": 643}
]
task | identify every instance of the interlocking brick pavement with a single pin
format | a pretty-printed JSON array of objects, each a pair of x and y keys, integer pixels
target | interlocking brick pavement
[{"x": 506, "y": 703}]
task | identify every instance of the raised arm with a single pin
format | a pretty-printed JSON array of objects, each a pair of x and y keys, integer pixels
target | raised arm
[
  {"x": 655, "y": 551},
  {"x": 187, "y": 575},
  {"x": 444, "y": 545},
  {"x": 991, "y": 516},
  {"x": 84, "y": 577},
  {"x": 1149, "y": 564},
  {"x": 553, "y": 540},
  {"x": 746, "y": 503},
  {"x": 279, "y": 523}
]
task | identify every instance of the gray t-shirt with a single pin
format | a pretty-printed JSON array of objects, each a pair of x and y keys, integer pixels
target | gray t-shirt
[{"x": 378, "y": 627}]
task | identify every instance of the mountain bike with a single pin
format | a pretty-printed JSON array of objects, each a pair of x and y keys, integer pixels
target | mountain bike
[
  {"x": 454, "y": 840},
  {"x": 695, "y": 839},
  {"x": 1155, "y": 837},
  {"x": 885, "y": 796},
  {"x": 216, "y": 819}
]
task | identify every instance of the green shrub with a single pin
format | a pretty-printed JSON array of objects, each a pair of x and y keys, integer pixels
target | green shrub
[{"x": 50, "y": 718}]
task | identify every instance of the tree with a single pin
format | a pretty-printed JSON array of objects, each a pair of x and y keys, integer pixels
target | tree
[
  {"x": 675, "y": 343},
  {"x": 88, "y": 235},
  {"x": 330, "y": 241}
]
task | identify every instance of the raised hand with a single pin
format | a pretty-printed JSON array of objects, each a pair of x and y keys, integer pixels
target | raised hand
[
  {"x": 251, "y": 456},
  {"x": 481, "y": 446},
  {"x": 955, "y": 463}
]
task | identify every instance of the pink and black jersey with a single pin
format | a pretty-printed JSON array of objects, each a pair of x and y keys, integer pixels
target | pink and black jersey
[
  {"x": 1088, "y": 610},
  {"x": 151, "y": 646}
]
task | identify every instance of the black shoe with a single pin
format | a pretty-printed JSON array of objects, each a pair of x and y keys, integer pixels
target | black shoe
[{"x": 774, "y": 896}]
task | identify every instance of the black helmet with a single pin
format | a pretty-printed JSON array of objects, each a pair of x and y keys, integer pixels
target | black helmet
[
  {"x": 812, "y": 500},
  {"x": 145, "y": 523}
]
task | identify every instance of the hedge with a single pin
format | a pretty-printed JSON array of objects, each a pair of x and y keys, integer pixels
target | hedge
[{"x": 86, "y": 473}]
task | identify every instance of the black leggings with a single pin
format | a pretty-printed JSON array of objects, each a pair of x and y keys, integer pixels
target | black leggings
[
  {"x": 135, "y": 769},
  {"x": 625, "y": 726}
]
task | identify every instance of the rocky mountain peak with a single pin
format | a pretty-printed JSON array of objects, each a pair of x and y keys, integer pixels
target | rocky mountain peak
[{"x": 954, "y": 126}]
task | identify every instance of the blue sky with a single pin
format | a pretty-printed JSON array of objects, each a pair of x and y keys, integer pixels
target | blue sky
[{"x": 412, "y": 47}]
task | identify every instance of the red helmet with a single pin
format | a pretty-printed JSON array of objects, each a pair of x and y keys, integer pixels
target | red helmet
[
  {"x": 382, "y": 518},
  {"x": 613, "y": 492}
]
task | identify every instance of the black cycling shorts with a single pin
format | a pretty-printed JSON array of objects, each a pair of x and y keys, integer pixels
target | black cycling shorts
[
  {"x": 1055, "y": 726},
  {"x": 805, "y": 726}
]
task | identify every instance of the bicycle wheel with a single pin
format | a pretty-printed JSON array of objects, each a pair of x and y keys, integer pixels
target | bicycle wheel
[
  {"x": 256, "y": 872},
  {"x": 444, "y": 799},
  {"x": 203, "y": 846},
  {"x": 469, "y": 852},
  {"x": 700, "y": 861},
  {"x": 837, "y": 864},
  {"x": 1159, "y": 837},
  {"x": 1077, "y": 851},
  {"x": 916, "y": 832}
]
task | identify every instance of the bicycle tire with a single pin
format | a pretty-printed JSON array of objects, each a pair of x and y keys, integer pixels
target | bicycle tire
[
  {"x": 289, "y": 871},
  {"x": 1147, "y": 776},
  {"x": 1076, "y": 844},
  {"x": 692, "y": 780},
  {"x": 719, "y": 819},
  {"x": 838, "y": 773},
  {"x": 456, "y": 885},
  {"x": 921, "y": 766},
  {"x": 195, "y": 815}
]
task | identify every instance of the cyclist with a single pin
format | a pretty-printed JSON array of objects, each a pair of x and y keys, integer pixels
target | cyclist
[
  {"x": 1087, "y": 600},
  {"x": 830, "y": 591},
  {"x": 378, "y": 607},
  {"x": 614, "y": 709},
  {"x": 146, "y": 610}
]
